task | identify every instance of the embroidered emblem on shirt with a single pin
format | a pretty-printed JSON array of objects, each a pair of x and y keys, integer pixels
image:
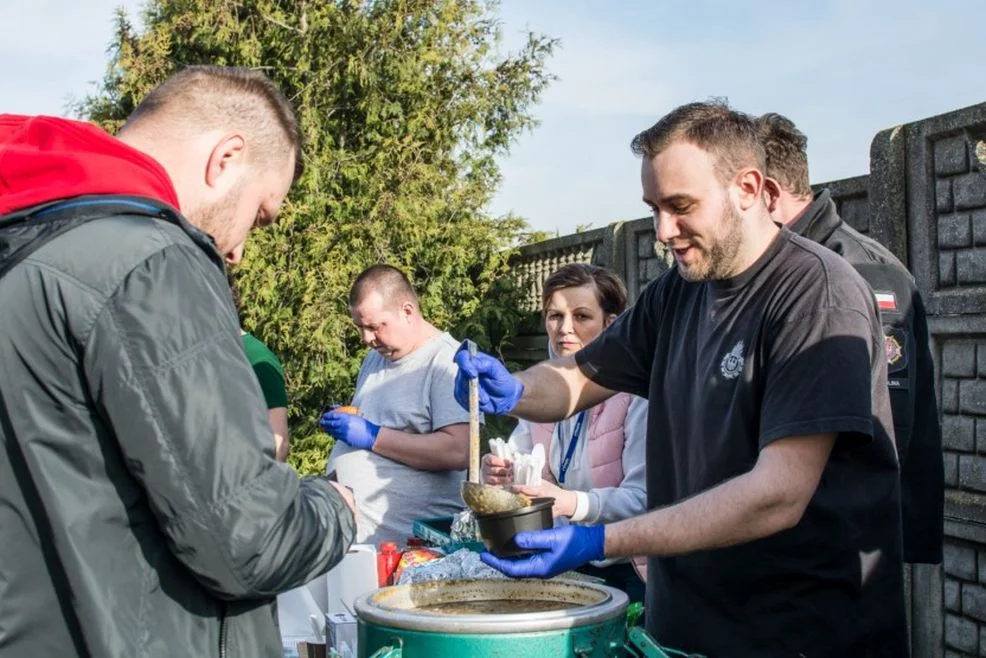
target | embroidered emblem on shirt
[
  {"x": 895, "y": 346},
  {"x": 894, "y": 350},
  {"x": 887, "y": 301},
  {"x": 732, "y": 363}
]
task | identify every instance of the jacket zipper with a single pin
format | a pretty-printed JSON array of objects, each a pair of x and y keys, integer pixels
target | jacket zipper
[{"x": 222, "y": 631}]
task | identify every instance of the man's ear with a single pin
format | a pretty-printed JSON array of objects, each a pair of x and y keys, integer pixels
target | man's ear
[
  {"x": 748, "y": 186},
  {"x": 608, "y": 320},
  {"x": 226, "y": 157},
  {"x": 772, "y": 193}
]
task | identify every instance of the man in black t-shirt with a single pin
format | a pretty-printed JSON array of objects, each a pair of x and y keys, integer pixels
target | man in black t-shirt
[
  {"x": 910, "y": 367},
  {"x": 771, "y": 471}
]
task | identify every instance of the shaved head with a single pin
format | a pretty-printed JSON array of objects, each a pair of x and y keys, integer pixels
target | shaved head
[
  {"x": 387, "y": 281},
  {"x": 202, "y": 98}
]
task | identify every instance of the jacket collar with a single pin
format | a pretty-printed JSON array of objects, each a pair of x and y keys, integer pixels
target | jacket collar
[{"x": 818, "y": 221}]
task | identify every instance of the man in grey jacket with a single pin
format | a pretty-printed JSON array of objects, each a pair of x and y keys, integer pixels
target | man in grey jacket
[{"x": 142, "y": 512}]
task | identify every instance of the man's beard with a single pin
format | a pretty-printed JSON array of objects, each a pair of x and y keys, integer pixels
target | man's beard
[
  {"x": 217, "y": 219},
  {"x": 720, "y": 257}
]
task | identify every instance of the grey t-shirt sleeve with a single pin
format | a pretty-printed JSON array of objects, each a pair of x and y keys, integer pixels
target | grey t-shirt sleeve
[
  {"x": 820, "y": 376},
  {"x": 444, "y": 409},
  {"x": 621, "y": 357}
]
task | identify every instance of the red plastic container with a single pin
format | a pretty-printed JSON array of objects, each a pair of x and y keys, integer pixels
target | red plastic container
[{"x": 388, "y": 557}]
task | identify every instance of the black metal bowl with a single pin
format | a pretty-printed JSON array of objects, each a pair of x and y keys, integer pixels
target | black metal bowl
[{"x": 498, "y": 530}]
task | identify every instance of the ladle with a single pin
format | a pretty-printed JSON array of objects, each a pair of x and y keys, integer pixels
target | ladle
[{"x": 484, "y": 498}]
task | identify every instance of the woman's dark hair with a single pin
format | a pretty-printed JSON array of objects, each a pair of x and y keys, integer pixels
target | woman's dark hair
[{"x": 610, "y": 291}]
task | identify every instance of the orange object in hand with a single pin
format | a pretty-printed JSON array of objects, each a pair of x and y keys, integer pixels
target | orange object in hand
[{"x": 348, "y": 409}]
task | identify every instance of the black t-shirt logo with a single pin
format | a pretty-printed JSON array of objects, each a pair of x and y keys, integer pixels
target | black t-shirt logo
[{"x": 732, "y": 363}]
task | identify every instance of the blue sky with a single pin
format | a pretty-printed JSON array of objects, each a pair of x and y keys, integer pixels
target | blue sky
[{"x": 842, "y": 72}]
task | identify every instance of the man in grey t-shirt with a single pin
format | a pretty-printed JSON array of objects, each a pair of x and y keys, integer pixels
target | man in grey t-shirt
[{"x": 404, "y": 456}]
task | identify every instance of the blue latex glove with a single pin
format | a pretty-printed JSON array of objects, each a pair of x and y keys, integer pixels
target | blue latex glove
[
  {"x": 499, "y": 391},
  {"x": 559, "y": 550},
  {"x": 354, "y": 431}
]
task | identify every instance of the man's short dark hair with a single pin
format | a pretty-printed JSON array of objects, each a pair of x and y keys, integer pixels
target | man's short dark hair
[
  {"x": 787, "y": 153},
  {"x": 226, "y": 96},
  {"x": 392, "y": 284},
  {"x": 714, "y": 127}
]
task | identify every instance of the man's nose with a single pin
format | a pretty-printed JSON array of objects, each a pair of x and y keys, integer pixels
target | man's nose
[
  {"x": 666, "y": 226},
  {"x": 235, "y": 256}
]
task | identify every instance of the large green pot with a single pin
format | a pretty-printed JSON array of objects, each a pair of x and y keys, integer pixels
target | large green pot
[{"x": 593, "y": 627}]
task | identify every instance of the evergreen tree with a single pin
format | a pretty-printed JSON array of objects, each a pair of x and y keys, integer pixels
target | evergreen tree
[{"x": 405, "y": 106}]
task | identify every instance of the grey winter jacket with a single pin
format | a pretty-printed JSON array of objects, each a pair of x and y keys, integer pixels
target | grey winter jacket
[{"x": 142, "y": 513}]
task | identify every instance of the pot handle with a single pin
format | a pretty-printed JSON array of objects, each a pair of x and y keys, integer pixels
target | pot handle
[
  {"x": 642, "y": 645},
  {"x": 389, "y": 652}
]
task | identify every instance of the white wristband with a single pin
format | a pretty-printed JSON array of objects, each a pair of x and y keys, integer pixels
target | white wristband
[{"x": 581, "y": 506}]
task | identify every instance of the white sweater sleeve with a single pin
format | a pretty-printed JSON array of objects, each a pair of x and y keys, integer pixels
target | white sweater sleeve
[{"x": 609, "y": 504}]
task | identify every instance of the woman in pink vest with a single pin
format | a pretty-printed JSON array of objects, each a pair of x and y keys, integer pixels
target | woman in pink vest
[{"x": 595, "y": 466}]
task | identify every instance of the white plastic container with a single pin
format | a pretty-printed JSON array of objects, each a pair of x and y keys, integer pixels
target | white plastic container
[
  {"x": 354, "y": 576},
  {"x": 319, "y": 593},
  {"x": 295, "y": 610}
]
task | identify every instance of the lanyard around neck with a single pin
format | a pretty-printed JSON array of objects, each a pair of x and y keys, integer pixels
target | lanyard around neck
[{"x": 563, "y": 469}]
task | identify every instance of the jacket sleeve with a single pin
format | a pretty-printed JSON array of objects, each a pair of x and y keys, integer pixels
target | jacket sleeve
[
  {"x": 171, "y": 382},
  {"x": 922, "y": 470}
]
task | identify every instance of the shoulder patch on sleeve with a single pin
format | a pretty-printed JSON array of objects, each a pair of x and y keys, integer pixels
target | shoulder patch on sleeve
[
  {"x": 896, "y": 348},
  {"x": 886, "y": 300}
]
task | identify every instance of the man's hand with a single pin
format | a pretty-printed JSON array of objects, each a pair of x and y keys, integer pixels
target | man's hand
[
  {"x": 559, "y": 550},
  {"x": 496, "y": 471},
  {"x": 499, "y": 391},
  {"x": 347, "y": 495},
  {"x": 354, "y": 431}
]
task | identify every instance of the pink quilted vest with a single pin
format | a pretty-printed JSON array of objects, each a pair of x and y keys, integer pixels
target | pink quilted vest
[{"x": 605, "y": 434}]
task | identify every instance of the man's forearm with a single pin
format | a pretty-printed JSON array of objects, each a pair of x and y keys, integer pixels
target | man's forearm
[
  {"x": 764, "y": 501},
  {"x": 556, "y": 389},
  {"x": 278, "y": 417},
  {"x": 735, "y": 512},
  {"x": 444, "y": 450}
]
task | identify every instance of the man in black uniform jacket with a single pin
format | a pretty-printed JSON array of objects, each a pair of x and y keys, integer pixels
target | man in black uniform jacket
[
  {"x": 772, "y": 478},
  {"x": 911, "y": 373}
]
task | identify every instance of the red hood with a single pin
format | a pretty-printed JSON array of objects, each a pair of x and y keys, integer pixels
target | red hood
[{"x": 46, "y": 158}]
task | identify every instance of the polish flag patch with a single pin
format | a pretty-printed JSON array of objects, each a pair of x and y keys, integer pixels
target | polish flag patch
[{"x": 887, "y": 301}]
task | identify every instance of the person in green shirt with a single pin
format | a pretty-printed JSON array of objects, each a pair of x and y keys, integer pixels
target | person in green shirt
[{"x": 270, "y": 374}]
